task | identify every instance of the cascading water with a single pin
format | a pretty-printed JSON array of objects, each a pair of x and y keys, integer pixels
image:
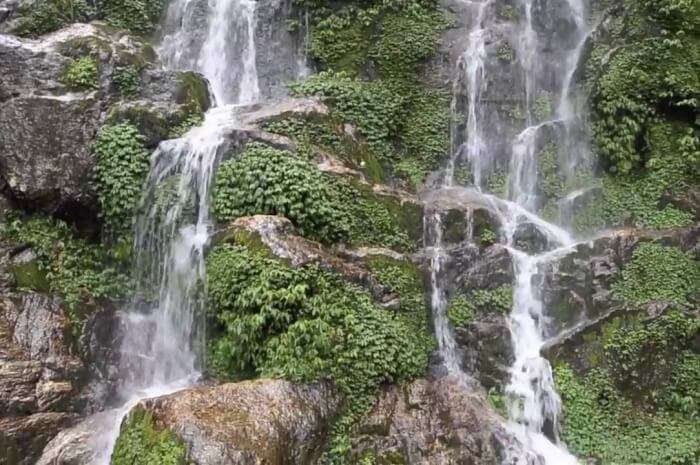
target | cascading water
[
  {"x": 162, "y": 339},
  {"x": 226, "y": 54},
  {"x": 533, "y": 404}
]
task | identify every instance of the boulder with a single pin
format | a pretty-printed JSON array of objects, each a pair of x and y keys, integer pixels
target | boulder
[
  {"x": 253, "y": 422},
  {"x": 46, "y": 128},
  {"x": 428, "y": 422},
  {"x": 43, "y": 385}
]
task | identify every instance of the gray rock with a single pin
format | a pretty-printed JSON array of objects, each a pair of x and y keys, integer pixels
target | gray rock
[
  {"x": 46, "y": 129},
  {"x": 252, "y": 422},
  {"x": 428, "y": 422}
]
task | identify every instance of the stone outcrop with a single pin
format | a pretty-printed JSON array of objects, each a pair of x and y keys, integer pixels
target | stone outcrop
[
  {"x": 269, "y": 422},
  {"x": 428, "y": 422},
  {"x": 46, "y": 127},
  {"x": 48, "y": 378}
]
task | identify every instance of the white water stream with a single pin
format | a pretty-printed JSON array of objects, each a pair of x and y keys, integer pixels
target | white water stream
[
  {"x": 533, "y": 403},
  {"x": 163, "y": 338}
]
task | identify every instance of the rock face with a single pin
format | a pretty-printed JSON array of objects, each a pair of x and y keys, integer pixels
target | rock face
[
  {"x": 44, "y": 371},
  {"x": 428, "y": 422},
  {"x": 253, "y": 422},
  {"x": 46, "y": 128}
]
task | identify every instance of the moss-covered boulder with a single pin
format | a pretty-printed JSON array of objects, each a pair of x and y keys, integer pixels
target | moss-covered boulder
[{"x": 263, "y": 421}]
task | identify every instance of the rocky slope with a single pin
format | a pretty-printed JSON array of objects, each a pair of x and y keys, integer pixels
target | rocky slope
[{"x": 329, "y": 356}]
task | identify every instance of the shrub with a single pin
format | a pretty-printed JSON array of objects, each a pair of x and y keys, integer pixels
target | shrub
[
  {"x": 141, "y": 442},
  {"x": 126, "y": 79},
  {"x": 267, "y": 181},
  {"x": 120, "y": 172},
  {"x": 81, "y": 74},
  {"x": 305, "y": 324},
  {"x": 657, "y": 272},
  {"x": 139, "y": 16},
  {"x": 76, "y": 270},
  {"x": 49, "y": 15}
]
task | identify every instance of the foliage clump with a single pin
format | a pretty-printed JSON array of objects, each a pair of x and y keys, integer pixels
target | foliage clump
[
  {"x": 372, "y": 55},
  {"x": 658, "y": 272},
  {"x": 120, "y": 172},
  {"x": 141, "y": 442},
  {"x": 267, "y": 181},
  {"x": 78, "y": 271},
  {"x": 305, "y": 324},
  {"x": 44, "y": 16},
  {"x": 49, "y": 15},
  {"x": 460, "y": 311},
  {"x": 126, "y": 79},
  {"x": 82, "y": 73},
  {"x": 599, "y": 422}
]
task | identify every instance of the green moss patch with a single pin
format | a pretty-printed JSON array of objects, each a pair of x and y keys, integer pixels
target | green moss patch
[{"x": 142, "y": 442}]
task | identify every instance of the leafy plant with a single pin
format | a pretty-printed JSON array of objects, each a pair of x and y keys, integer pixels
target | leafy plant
[
  {"x": 121, "y": 169},
  {"x": 305, "y": 324},
  {"x": 460, "y": 311},
  {"x": 81, "y": 74},
  {"x": 658, "y": 272},
  {"x": 141, "y": 442},
  {"x": 139, "y": 16},
  {"x": 78, "y": 271},
  {"x": 127, "y": 79},
  {"x": 46, "y": 16},
  {"x": 264, "y": 180}
]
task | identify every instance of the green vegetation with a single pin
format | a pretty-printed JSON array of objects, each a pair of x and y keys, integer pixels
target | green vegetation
[
  {"x": 141, "y": 442},
  {"x": 305, "y": 324},
  {"x": 460, "y": 311},
  {"x": 643, "y": 84},
  {"x": 126, "y": 79},
  {"x": 49, "y": 15},
  {"x": 44, "y": 16},
  {"x": 464, "y": 307},
  {"x": 139, "y": 16},
  {"x": 120, "y": 171},
  {"x": 599, "y": 422},
  {"x": 268, "y": 181},
  {"x": 78, "y": 271},
  {"x": 505, "y": 52},
  {"x": 657, "y": 272},
  {"x": 404, "y": 122},
  {"x": 82, "y": 73}
]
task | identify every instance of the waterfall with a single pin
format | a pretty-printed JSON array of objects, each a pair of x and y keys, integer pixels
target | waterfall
[
  {"x": 532, "y": 400},
  {"x": 226, "y": 53},
  {"x": 163, "y": 327}
]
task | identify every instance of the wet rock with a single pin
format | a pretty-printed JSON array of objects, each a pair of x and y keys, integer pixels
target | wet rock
[
  {"x": 43, "y": 384},
  {"x": 576, "y": 286},
  {"x": 487, "y": 349},
  {"x": 46, "y": 128},
  {"x": 23, "y": 438},
  {"x": 252, "y": 422},
  {"x": 529, "y": 238},
  {"x": 428, "y": 422}
]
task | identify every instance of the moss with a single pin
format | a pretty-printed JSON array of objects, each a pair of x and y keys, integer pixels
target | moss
[
  {"x": 150, "y": 122},
  {"x": 454, "y": 226},
  {"x": 192, "y": 93},
  {"x": 30, "y": 275},
  {"x": 142, "y": 442}
]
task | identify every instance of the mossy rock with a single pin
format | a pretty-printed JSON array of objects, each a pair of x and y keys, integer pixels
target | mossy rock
[
  {"x": 192, "y": 92},
  {"x": 27, "y": 272},
  {"x": 142, "y": 441},
  {"x": 152, "y": 123}
]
